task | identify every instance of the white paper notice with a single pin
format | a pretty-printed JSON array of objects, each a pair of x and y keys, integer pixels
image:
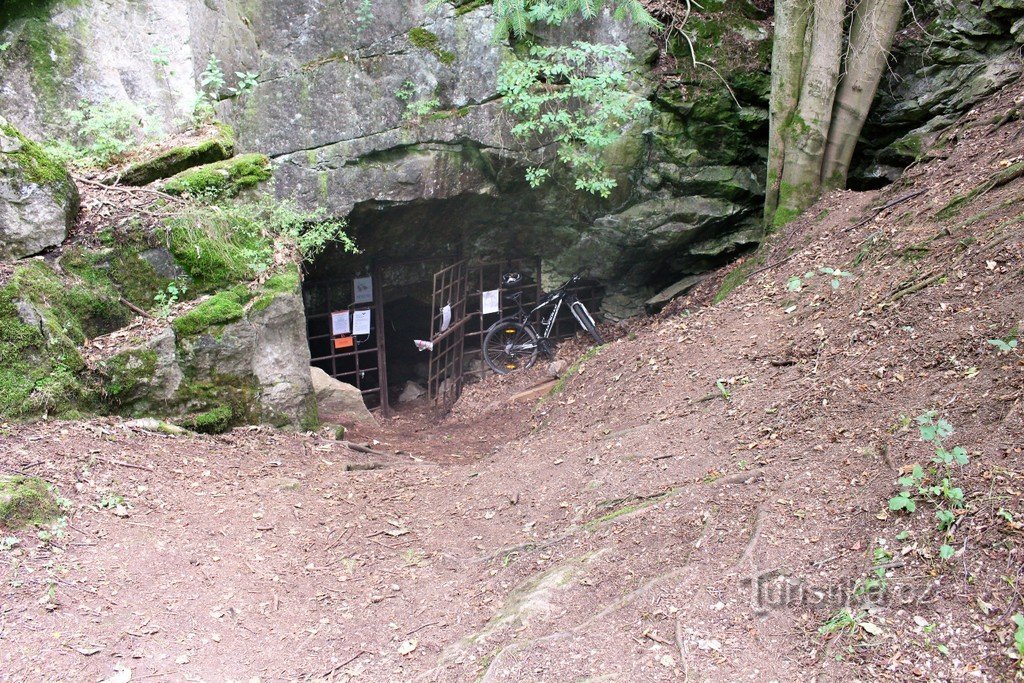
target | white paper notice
[
  {"x": 363, "y": 290},
  {"x": 361, "y": 322},
  {"x": 446, "y": 317},
  {"x": 340, "y": 323},
  {"x": 490, "y": 303}
]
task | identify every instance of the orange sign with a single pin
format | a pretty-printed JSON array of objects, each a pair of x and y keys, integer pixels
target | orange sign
[{"x": 344, "y": 342}]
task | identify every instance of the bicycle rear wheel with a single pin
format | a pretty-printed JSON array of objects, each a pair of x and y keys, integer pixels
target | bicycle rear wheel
[{"x": 510, "y": 346}]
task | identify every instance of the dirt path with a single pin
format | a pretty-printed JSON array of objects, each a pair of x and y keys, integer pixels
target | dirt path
[{"x": 706, "y": 499}]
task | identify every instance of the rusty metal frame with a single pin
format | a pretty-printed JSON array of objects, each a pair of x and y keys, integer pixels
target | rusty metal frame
[
  {"x": 362, "y": 363},
  {"x": 445, "y": 376}
]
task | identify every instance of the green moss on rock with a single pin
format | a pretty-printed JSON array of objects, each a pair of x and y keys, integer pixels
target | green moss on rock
[
  {"x": 214, "y": 421},
  {"x": 220, "y": 309},
  {"x": 26, "y": 501},
  {"x": 428, "y": 40},
  {"x": 39, "y": 166},
  {"x": 127, "y": 371},
  {"x": 223, "y": 178},
  {"x": 180, "y": 159}
]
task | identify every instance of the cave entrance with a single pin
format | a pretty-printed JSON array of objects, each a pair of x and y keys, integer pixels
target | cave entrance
[{"x": 365, "y": 311}]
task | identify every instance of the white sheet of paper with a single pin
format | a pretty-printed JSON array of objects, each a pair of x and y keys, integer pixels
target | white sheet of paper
[
  {"x": 340, "y": 323},
  {"x": 361, "y": 322},
  {"x": 363, "y": 290},
  {"x": 490, "y": 302},
  {"x": 446, "y": 317}
]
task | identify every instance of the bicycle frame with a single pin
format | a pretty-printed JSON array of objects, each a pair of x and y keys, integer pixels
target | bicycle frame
[{"x": 555, "y": 299}]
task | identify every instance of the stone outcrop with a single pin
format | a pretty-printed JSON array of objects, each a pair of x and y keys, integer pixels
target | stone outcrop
[
  {"x": 338, "y": 403},
  {"x": 38, "y": 199},
  {"x": 234, "y": 370}
]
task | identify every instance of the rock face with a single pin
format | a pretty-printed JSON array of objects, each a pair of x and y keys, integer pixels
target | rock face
[
  {"x": 338, "y": 403},
  {"x": 969, "y": 51},
  {"x": 38, "y": 199},
  {"x": 251, "y": 369},
  {"x": 327, "y": 111}
]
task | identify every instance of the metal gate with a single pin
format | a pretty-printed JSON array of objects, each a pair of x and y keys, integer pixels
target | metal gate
[{"x": 447, "y": 337}]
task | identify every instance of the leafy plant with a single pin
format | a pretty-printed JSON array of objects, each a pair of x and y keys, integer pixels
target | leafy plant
[
  {"x": 211, "y": 82},
  {"x": 104, "y": 131},
  {"x": 935, "y": 485},
  {"x": 726, "y": 394},
  {"x": 416, "y": 107},
  {"x": 1018, "y": 638},
  {"x": 109, "y": 501},
  {"x": 166, "y": 299},
  {"x": 364, "y": 15},
  {"x": 247, "y": 82},
  {"x": 576, "y": 96},
  {"x": 796, "y": 283},
  {"x": 1004, "y": 345},
  {"x": 515, "y": 16},
  {"x": 160, "y": 56},
  {"x": 55, "y": 531}
]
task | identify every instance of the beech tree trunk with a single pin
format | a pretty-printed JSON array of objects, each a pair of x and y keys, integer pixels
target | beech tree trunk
[
  {"x": 814, "y": 120},
  {"x": 791, "y": 20},
  {"x": 874, "y": 27}
]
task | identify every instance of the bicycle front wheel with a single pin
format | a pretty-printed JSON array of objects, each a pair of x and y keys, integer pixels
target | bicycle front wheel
[
  {"x": 510, "y": 346},
  {"x": 586, "y": 321}
]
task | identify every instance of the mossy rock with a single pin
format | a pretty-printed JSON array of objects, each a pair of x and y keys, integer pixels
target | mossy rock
[
  {"x": 125, "y": 372},
  {"x": 214, "y": 421},
  {"x": 217, "y": 311},
  {"x": 121, "y": 269},
  {"x": 43, "y": 319},
  {"x": 221, "y": 179},
  {"x": 179, "y": 159},
  {"x": 428, "y": 40},
  {"x": 26, "y": 501}
]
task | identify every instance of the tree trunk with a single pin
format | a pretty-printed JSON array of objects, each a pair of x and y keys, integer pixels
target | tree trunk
[
  {"x": 874, "y": 27},
  {"x": 791, "y": 21},
  {"x": 806, "y": 133}
]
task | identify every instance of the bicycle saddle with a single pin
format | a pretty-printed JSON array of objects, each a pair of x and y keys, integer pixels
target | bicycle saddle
[{"x": 511, "y": 279}]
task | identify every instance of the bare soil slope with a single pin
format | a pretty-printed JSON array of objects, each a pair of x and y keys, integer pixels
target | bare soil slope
[{"x": 704, "y": 499}]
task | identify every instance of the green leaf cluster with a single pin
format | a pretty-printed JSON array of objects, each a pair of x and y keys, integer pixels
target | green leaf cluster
[
  {"x": 934, "y": 485},
  {"x": 576, "y": 96},
  {"x": 514, "y": 17}
]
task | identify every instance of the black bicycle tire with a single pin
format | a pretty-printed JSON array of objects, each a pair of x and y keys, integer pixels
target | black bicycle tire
[
  {"x": 588, "y": 325},
  {"x": 493, "y": 330}
]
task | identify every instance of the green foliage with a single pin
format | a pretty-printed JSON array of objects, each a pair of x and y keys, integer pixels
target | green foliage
[
  {"x": 222, "y": 244},
  {"x": 166, "y": 299},
  {"x": 247, "y": 82},
  {"x": 1018, "y": 638},
  {"x": 364, "y": 16},
  {"x": 220, "y": 309},
  {"x": 222, "y": 178},
  {"x": 416, "y": 107},
  {"x": 797, "y": 283},
  {"x": 515, "y": 16},
  {"x": 576, "y": 96},
  {"x": 1005, "y": 345},
  {"x": 105, "y": 131},
  {"x": 934, "y": 486},
  {"x": 211, "y": 82}
]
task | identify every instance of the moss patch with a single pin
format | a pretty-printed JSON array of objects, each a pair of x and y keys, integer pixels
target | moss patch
[
  {"x": 218, "y": 248},
  {"x": 218, "y": 310},
  {"x": 214, "y": 421},
  {"x": 38, "y": 166},
  {"x": 180, "y": 159},
  {"x": 119, "y": 269},
  {"x": 737, "y": 276},
  {"x": 428, "y": 40},
  {"x": 126, "y": 371},
  {"x": 26, "y": 501},
  {"x": 221, "y": 179}
]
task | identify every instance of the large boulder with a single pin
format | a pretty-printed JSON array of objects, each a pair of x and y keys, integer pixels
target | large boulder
[
  {"x": 339, "y": 403},
  {"x": 38, "y": 199}
]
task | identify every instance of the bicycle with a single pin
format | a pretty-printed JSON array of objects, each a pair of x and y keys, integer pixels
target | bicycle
[{"x": 513, "y": 343}]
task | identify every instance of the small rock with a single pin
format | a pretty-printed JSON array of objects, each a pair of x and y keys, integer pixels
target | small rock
[
  {"x": 557, "y": 368},
  {"x": 411, "y": 392}
]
